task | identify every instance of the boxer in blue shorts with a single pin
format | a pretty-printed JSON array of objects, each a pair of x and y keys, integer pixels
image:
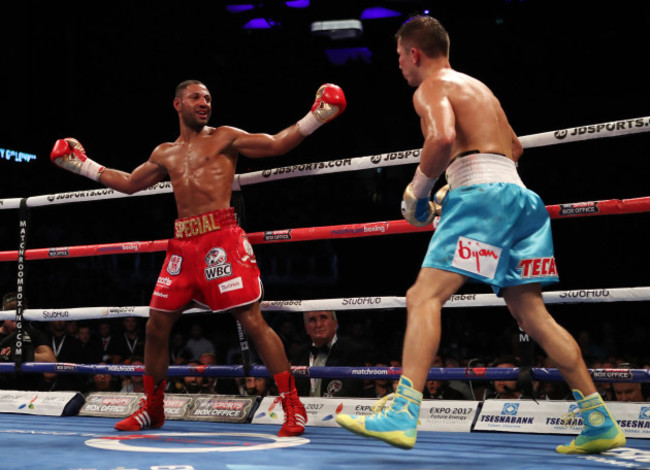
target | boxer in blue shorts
[{"x": 492, "y": 229}]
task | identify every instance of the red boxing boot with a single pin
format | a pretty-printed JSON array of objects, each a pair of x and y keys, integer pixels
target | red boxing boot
[
  {"x": 151, "y": 414},
  {"x": 295, "y": 416}
]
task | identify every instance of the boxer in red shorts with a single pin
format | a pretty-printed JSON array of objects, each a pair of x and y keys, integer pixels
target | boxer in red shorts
[{"x": 209, "y": 261}]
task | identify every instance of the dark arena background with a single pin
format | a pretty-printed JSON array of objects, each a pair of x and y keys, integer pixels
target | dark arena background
[{"x": 105, "y": 73}]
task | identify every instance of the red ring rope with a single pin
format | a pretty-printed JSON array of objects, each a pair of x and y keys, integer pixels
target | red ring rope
[{"x": 391, "y": 227}]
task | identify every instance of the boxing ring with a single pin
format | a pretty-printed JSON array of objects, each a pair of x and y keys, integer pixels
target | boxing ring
[{"x": 87, "y": 442}]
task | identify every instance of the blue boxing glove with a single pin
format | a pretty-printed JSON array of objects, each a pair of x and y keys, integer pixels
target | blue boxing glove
[{"x": 417, "y": 207}]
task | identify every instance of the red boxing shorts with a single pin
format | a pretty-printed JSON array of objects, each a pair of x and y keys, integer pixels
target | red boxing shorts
[{"x": 210, "y": 261}]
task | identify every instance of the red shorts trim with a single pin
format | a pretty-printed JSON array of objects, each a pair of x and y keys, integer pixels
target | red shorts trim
[{"x": 216, "y": 268}]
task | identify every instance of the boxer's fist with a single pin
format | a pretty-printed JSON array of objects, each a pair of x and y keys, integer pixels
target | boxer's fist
[
  {"x": 330, "y": 102},
  {"x": 69, "y": 154},
  {"x": 417, "y": 211},
  {"x": 440, "y": 196}
]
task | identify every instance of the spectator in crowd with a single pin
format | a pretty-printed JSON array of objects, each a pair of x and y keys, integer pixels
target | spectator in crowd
[
  {"x": 91, "y": 347},
  {"x": 476, "y": 391},
  {"x": 198, "y": 344},
  {"x": 105, "y": 338},
  {"x": 104, "y": 382},
  {"x": 176, "y": 384},
  {"x": 66, "y": 349},
  {"x": 134, "y": 383},
  {"x": 209, "y": 382},
  {"x": 127, "y": 344},
  {"x": 380, "y": 387},
  {"x": 326, "y": 348},
  {"x": 628, "y": 391},
  {"x": 260, "y": 386},
  {"x": 290, "y": 338},
  {"x": 506, "y": 389},
  {"x": 203, "y": 383},
  {"x": 193, "y": 384},
  {"x": 177, "y": 352},
  {"x": 72, "y": 328},
  {"x": 242, "y": 388},
  {"x": 35, "y": 349},
  {"x": 440, "y": 390},
  {"x": 213, "y": 384}
]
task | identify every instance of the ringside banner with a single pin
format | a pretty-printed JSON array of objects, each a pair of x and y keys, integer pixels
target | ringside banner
[
  {"x": 435, "y": 415},
  {"x": 557, "y": 417},
  {"x": 215, "y": 408},
  {"x": 40, "y": 403}
]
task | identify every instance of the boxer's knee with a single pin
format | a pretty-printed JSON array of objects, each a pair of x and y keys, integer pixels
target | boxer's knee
[
  {"x": 416, "y": 297},
  {"x": 432, "y": 288},
  {"x": 251, "y": 320},
  {"x": 422, "y": 296}
]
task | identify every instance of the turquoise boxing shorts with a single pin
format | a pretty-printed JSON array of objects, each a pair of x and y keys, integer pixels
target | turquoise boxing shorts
[{"x": 496, "y": 233}]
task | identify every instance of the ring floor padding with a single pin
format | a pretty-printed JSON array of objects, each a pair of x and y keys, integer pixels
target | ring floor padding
[{"x": 76, "y": 443}]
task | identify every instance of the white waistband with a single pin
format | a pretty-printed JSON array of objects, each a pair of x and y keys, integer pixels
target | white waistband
[{"x": 481, "y": 168}]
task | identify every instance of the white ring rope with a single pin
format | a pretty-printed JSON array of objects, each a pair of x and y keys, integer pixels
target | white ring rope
[
  {"x": 590, "y": 132},
  {"x": 632, "y": 294},
  {"x": 562, "y": 136},
  {"x": 603, "y": 130}
]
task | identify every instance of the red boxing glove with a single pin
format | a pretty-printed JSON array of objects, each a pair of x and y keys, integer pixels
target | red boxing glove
[
  {"x": 330, "y": 102},
  {"x": 69, "y": 154}
]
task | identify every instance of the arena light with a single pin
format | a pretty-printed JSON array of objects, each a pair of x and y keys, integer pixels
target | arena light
[
  {"x": 378, "y": 12},
  {"x": 349, "y": 55},
  {"x": 339, "y": 29},
  {"x": 239, "y": 8},
  {"x": 297, "y": 3},
  {"x": 260, "y": 23}
]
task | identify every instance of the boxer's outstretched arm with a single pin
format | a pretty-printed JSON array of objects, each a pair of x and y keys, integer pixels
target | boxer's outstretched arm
[
  {"x": 330, "y": 102},
  {"x": 143, "y": 177},
  {"x": 265, "y": 145},
  {"x": 69, "y": 154}
]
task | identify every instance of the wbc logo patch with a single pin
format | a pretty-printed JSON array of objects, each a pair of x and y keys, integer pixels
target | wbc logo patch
[{"x": 217, "y": 266}]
